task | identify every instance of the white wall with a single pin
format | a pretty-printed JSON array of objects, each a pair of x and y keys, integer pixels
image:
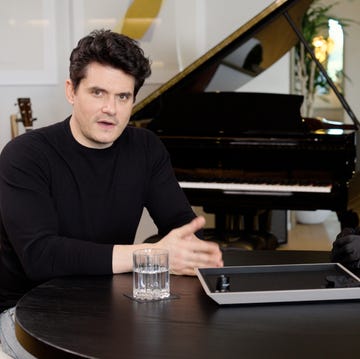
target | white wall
[{"x": 48, "y": 101}]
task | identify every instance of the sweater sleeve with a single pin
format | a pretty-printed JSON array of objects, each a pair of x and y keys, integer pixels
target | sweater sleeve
[
  {"x": 166, "y": 201},
  {"x": 29, "y": 222}
]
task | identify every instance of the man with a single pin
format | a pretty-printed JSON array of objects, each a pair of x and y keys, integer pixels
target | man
[{"x": 72, "y": 194}]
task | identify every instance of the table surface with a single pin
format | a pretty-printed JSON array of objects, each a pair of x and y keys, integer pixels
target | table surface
[{"x": 91, "y": 317}]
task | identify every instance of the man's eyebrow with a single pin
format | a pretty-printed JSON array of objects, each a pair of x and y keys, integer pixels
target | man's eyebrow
[
  {"x": 96, "y": 88},
  {"x": 128, "y": 94}
]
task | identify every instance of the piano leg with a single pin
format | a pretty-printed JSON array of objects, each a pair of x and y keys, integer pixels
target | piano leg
[{"x": 248, "y": 230}]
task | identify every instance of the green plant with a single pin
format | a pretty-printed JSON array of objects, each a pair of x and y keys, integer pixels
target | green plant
[{"x": 308, "y": 78}]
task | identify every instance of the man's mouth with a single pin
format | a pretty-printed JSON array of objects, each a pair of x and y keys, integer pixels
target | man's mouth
[{"x": 106, "y": 124}]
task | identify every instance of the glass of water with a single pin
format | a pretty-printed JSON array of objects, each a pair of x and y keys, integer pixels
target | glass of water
[{"x": 151, "y": 279}]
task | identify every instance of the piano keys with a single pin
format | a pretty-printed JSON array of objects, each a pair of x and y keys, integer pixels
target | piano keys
[
  {"x": 240, "y": 154},
  {"x": 257, "y": 188}
]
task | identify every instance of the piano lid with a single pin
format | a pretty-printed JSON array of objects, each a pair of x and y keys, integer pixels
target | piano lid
[{"x": 237, "y": 59}]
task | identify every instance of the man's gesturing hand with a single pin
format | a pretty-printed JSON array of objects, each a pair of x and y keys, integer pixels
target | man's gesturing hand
[{"x": 187, "y": 251}]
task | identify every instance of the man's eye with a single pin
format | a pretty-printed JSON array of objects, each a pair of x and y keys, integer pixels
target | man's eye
[
  {"x": 124, "y": 97},
  {"x": 97, "y": 92}
]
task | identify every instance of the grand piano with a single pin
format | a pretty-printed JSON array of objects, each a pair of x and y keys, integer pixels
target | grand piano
[{"x": 245, "y": 155}]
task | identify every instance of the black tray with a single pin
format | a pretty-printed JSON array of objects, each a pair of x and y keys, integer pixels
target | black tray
[{"x": 279, "y": 283}]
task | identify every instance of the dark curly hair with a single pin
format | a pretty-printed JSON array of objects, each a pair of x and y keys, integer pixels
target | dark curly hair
[{"x": 109, "y": 48}]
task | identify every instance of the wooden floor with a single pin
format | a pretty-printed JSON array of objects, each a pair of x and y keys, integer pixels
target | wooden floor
[{"x": 313, "y": 236}]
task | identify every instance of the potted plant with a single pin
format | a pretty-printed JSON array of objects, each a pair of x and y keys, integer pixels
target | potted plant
[{"x": 308, "y": 78}]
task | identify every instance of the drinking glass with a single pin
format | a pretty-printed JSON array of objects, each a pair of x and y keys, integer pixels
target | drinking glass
[{"x": 151, "y": 279}]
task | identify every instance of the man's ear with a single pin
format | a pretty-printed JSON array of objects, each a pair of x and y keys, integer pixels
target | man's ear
[{"x": 69, "y": 91}]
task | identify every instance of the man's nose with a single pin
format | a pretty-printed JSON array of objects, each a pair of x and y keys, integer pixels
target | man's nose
[{"x": 109, "y": 106}]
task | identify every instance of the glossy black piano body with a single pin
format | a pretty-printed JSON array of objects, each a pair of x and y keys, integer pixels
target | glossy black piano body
[
  {"x": 217, "y": 134},
  {"x": 265, "y": 148}
]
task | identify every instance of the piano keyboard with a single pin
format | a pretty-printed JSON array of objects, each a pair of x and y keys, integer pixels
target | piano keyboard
[{"x": 256, "y": 187}]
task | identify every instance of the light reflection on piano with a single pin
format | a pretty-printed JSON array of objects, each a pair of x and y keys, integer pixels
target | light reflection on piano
[{"x": 242, "y": 155}]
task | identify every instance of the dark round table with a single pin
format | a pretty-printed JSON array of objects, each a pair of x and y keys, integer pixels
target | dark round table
[{"x": 92, "y": 317}]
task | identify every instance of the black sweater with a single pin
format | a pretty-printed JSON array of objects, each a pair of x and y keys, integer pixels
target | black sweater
[{"x": 63, "y": 206}]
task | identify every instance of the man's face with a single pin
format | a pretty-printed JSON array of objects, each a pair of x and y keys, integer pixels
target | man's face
[{"x": 102, "y": 105}]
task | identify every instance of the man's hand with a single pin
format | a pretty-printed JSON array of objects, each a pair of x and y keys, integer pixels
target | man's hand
[
  {"x": 346, "y": 247},
  {"x": 187, "y": 252}
]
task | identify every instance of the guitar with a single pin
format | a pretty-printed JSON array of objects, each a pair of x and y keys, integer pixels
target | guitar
[
  {"x": 25, "y": 117},
  {"x": 26, "y": 113}
]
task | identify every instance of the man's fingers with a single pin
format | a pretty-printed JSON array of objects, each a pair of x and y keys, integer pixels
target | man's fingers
[
  {"x": 201, "y": 246},
  {"x": 191, "y": 227},
  {"x": 340, "y": 242},
  {"x": 188, "y": 252},
  {"x": 203, "y": 259}
]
